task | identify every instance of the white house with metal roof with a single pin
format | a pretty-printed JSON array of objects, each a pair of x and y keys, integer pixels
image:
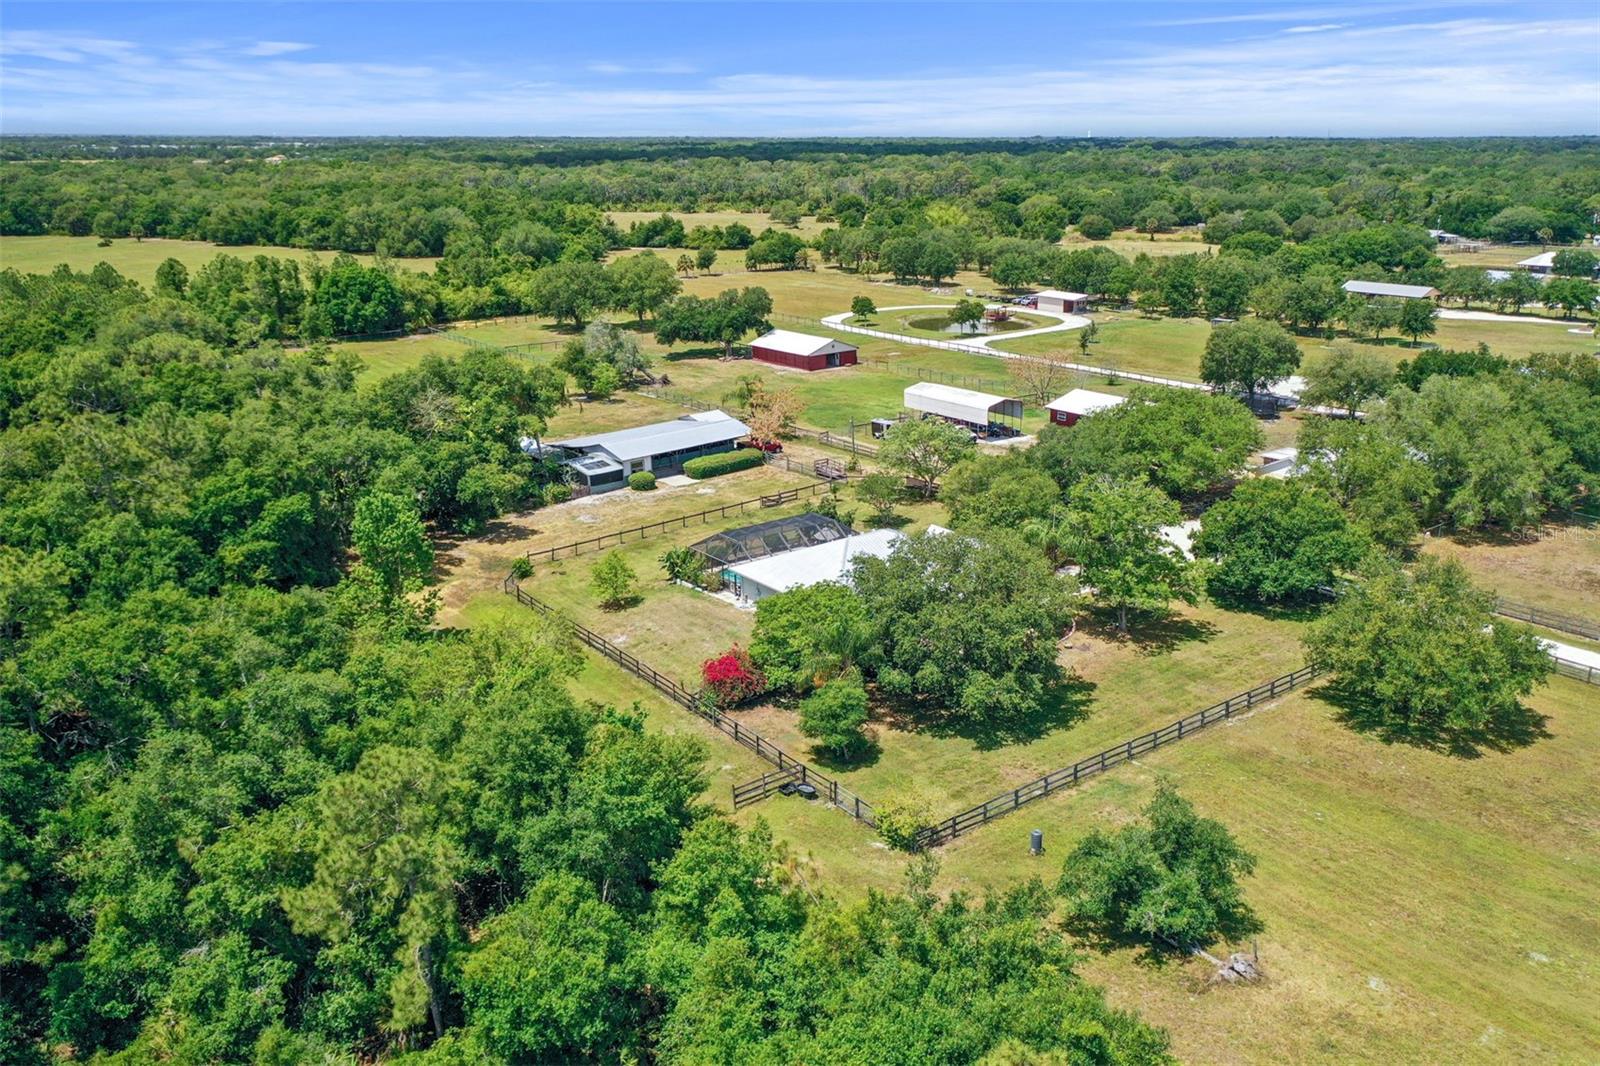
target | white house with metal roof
[
  {"x": 1389, "y": 288},
  {"x": 603, "y": 461},
  {"x": 755, "y": 580}
]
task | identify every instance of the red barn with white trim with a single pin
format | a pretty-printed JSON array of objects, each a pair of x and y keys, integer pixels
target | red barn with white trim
[{"x": 802, "y": 351}]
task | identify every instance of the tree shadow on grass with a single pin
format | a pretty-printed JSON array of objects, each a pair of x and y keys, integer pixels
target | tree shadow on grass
[
  {"x": 618, "y": 606},
  {"x": 1065, "y": 703},
  {"x": 1517, "y": 727},
  {"x": 687, "y": 354},
  {"x": 864, "y": 755},
  {"x": 1156, "y": 953},
  {"x": 891, "y": 521},
  {"x": 1304, "y": 610},
  {"x": 1150, "y": 634}
]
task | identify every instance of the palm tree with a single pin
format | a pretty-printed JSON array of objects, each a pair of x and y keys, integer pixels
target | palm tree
[
  {"x": 840, "y": 646},
  {"x": 1049, "y": 534}
]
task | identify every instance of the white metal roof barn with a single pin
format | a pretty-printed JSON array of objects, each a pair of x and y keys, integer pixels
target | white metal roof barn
[
  {"x": 960, "y": 405},
  {"x": 1389, "y": 288}
]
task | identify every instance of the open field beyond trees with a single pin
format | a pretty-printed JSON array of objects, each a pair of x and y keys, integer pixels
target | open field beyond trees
[{"x": 138, "y": 259}]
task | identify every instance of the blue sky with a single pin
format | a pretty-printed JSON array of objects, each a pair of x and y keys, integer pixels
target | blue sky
[{"x": 1347, "y": 68}]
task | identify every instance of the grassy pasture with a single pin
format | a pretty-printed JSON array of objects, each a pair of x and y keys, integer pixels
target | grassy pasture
[
  {"x": 138, "y": 259},
  {"x": 1434, "y": 906},
  {"x": 1172, "y": 347},
  {"x": 1120, "y": 689},
  {"x": 757, "y": 220},
  {"x": 930, "y": 323},
  {"x": 1438, "y": 908},
  {"x": 1128, "y": 242},
  {"x": 1558, "y": 570}
]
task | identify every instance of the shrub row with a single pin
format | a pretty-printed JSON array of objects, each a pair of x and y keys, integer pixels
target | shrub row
[{"x": 723, "y": 463}]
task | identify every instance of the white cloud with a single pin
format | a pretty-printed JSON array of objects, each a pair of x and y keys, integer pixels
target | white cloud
[
  {"x": 1449, "y": 77},
  {"x": 62, "y": 47},
  {"x": 275, "y": 48},
  {"x": 1303, "y": 14},
  {"x": 652, "y": 68},
  {"x": 1322, "y": 27}
]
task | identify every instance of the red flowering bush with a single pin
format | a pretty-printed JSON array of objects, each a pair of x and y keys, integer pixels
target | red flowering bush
[{"x": 733, "y": 677}]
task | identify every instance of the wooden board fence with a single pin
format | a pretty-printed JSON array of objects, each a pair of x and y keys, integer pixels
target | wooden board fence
[
  {"x": 698, "y": 703},
  {"x": 1056, "y": 780}
]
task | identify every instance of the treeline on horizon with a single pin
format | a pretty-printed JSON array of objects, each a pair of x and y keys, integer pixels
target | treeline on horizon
[{"x": 220, "y": 189}]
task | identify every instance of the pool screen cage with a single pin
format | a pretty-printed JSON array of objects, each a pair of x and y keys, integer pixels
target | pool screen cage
[{"x": 769, "y": 538}]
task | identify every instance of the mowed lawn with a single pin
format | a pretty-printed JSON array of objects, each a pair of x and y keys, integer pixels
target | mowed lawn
[
  {"x": 1441, "y": 909},
  {"x": 138, "y": 259},
  {"x": 1558, "y": 570},
  {"x": 1117, "y": 689},
  {"x": 1173, "y": 347}
]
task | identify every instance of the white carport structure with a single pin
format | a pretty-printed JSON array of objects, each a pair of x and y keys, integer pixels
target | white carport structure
[{"x": 971, "y": 408}]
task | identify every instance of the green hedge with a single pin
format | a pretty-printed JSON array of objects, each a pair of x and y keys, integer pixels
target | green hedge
[
  {"x": 643, "y": 481},
  {"x": 723, "y": 463}
]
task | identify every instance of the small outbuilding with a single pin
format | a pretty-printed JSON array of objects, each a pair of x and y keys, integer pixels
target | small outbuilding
[
  {"x": 982, "y": 412},
  {"x": 1280, "y": 463},
  {"x": 1065, "y": 410},
  {"x": 603, "y": 461},
  {"x": 1067, "y": 303},
  {"x": 1391, "y": 289},
  {"x": 1543, "y": 263},
  {"x": 802, "y": 351}
]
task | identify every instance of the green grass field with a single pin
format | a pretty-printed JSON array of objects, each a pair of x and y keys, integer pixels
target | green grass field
[
  {"x": 1558, "y": 570},
  {"x": 138, "y": 259},
  {"x": 1172, "y": 347},
  {"x": 931, "y": 323},
  {"x": 1440, "y": 909},
  {"x": 756, "y": 220},
  {"x": 1120, "y": 689}
]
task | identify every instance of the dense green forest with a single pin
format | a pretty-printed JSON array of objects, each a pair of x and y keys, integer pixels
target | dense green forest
[
  {"x": 409, "y": 198},
  {"x": 254, "y": 807},
  {"x": 518, "y": 228}
]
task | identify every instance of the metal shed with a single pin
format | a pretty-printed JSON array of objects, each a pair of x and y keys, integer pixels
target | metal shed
[
  {"x": 1389, "y": 288},
  {"x": 979, "y": 411}
]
